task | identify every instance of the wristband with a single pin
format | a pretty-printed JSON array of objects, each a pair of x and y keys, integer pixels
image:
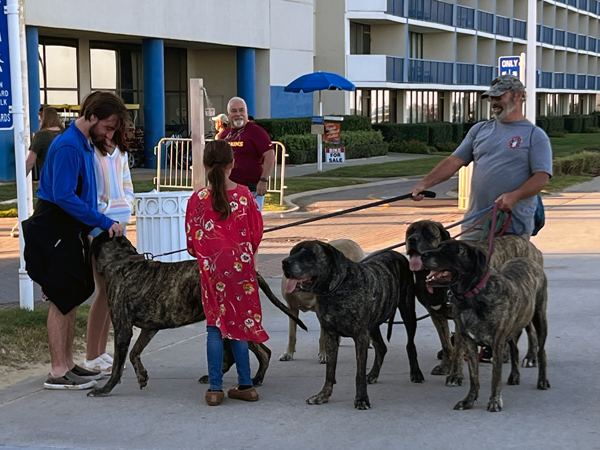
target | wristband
[{"x": 264, "y": 180}]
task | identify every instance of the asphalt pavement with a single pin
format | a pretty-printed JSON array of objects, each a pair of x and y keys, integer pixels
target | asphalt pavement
[{"x": 170, "y": 412}]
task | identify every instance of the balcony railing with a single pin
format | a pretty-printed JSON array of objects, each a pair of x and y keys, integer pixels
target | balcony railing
[
  {"x": 570, "y": 81},
  {"x": 598, "y": 81},
  {"x": 465, "y": 73},
  {"x": 424, "y": 71},
  {"x": 485, "y": 21},
  {"x": 545, "y": 34},
  {"x": 519, "y": 28},
  {"x": 593, "y": 6},
  {"x": 485, "y": 74},
  {"x": 591, "y": 82},
  {"x": 544, "y": 80},
  {"x": 581, "y": 81},
  {"x": 583, "y": 4},
  {"x": 431, "y": 10},
  {"x": 559, "y": 37},
  {"x": 394, "y": 68},
  {"x": 465, "y": 17},
  {"x": 581, "y": 40},
  {"x": 395, "y": 7},
  {"x": 559, "y": 80},
  {"x": 571, "y": 40},
  {"x": 592, "y": 44},
  {"x": 572, "y": 3},
  {"x": 503, "y": 26}
]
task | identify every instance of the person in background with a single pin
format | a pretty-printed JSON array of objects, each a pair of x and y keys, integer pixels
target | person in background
[
  {"x": 252, "y": 149},
  {"x": 220, "y": 122},
  {"x": 223, "y": 230},
  {"x": 115, "y": 200},
  {"x": 50, "y": 127},
  {"x": 56, "y": 243}
]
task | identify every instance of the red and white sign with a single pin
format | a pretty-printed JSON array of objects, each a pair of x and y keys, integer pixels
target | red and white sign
[{"x": 335, "y": 155}]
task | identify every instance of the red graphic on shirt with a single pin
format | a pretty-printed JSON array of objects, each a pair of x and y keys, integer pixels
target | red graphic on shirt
[{"x": 515, "y": 142}]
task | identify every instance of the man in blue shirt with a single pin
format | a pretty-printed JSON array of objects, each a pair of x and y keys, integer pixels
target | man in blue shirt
[{"x": 56, "y": 236}]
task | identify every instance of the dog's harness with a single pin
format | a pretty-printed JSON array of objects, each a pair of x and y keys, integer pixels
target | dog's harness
[{"x": 475, "y": 290}]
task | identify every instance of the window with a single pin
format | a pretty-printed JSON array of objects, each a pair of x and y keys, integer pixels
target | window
[
  {"x": 424, "y": 106},
  {"x": 553, "y": 105},
  {"x": 575, "y": 104},
  {"x": 59, "y": 81},
  {"x": 360, "y": 39},
  {"x": 379, "y": 104},
  {"x": 464, "y": 107},
  {"x": 415, "y": 45},
  {"x": 176, "y": 90}
]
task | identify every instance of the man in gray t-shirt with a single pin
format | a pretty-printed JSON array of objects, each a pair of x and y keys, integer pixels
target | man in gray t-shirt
[{"x": 512, "y": 160}]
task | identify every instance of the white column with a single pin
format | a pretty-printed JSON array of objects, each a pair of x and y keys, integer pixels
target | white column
[{"x": 531, "y": 58}]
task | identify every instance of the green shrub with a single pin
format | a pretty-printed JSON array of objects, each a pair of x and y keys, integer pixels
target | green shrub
[
  {"x": 587, "y": 122},
  {"x": 542, "y": 122},
  {"x": 439, "y": 132},
  {"x": 358, "y": 144},
  {"x": 591, "y": 129},
  {"x": 412, "y": 146},
  {"x": 584, "y": 163},
  {"x": 356, "y": 123},
  {"x": 573, "y": 124},
  {"x": 556, "y": 134},
  {"x": 403, "y": 131},
  {"x": 276, "y": 128},
  {"x": 458, "y": 132},
  {"x": 555, "y": 124},
  {"x": 446, "y": 146}
]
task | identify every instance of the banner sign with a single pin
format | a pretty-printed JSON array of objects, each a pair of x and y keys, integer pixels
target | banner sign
[
  {"x": 335, "y": 155},
  {"x": 332, "y": 133},
  {"x": 6, "y": 120}
]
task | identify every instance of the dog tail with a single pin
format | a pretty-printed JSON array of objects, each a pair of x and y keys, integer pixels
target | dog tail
[{"x": 278, "y": 303}]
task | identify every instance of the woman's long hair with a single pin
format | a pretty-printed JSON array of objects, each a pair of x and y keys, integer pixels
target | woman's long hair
[
  {"x": 217, "y": 156},
  {"x": 50, "y": 118}
]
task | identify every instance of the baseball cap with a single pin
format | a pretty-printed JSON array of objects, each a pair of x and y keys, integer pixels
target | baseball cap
[
  {"x": 502, "y": 84},
  {"x": 222, "y": 117}
]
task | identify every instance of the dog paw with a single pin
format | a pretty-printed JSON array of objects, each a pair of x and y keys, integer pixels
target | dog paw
[
  {"x": 529, "y": 362},
  {"x": 318, "y": 399},
  {"x": 417, "y": 376},
  {"x": 440, "y": 369},
  {"x": 514, "y": 379},
  {"x": 494, "y": 406},
  {"x": 257, "y": 381},
  {"x": 322, "y": 359},
  {"x": 286, "y": 356},
  {"x": 543, "y": 385},
  {"x": 463, "y": 405},
  {"x": 372, "y": 379},
  {"x": 362, "y": 404},
  {"x": 454, "y": 380},
  {"x": 97, "y": 393},
  {"x": 203, "y": 379}
]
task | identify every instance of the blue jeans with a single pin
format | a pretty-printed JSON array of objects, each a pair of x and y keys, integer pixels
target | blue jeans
[{"x": 214, "y": 355}]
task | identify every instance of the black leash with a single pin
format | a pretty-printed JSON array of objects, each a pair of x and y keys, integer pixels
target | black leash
[{"x": 429, "y": 194}]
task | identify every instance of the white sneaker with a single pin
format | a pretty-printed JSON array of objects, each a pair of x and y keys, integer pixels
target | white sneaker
[
  {"x": 106, "y": 357},
  {"x": 98, "y": 365}
]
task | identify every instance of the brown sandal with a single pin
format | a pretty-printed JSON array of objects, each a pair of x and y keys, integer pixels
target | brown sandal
[
  {"x": 214, "y": 398},
  {"x": 248, "y": 395}
]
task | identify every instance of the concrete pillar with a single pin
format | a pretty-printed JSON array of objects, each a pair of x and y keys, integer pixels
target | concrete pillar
[
  {"x": 33, "y": 77},
  {"x": 84, "y": 68},
  {"x": 154, "y": 97},
  {"x": 246, "y": 77}
]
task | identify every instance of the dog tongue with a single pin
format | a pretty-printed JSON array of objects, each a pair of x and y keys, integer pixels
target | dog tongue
[
  {"x": 430, "y": 289},
  {"x": 415, "y": 263},
  {"x": 291, "y": 285}
]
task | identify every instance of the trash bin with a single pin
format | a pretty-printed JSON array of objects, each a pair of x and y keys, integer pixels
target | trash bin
[{"x": 160, "y": 224}]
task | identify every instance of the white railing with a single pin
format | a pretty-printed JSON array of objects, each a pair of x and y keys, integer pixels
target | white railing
[{"x": 174, "y": 166}]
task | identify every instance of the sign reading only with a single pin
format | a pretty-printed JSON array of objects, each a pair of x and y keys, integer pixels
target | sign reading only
[
  {"x": 6, "y": 120},
  {"x": 510, "y": 65}
]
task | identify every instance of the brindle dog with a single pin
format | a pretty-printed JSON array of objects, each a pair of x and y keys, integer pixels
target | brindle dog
[
  {"x": 491, "y": 307},
  {"x": 353, "y": 300},
  {"x": 154, "y": 296},
  {"x": 426, "y": 235},
  {"x": 299, "y": 300}
]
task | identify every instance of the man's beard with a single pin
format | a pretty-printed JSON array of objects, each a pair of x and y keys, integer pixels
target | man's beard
[
  {"x": 510, "y": 107},
  {"x": 238, "y": 122}
]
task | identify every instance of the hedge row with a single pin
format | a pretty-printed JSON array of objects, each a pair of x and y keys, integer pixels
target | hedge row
[
  {"x": 583, "y": 163},
  {"x": 358, "y": 144},
  {"x": 430, "y": 133},
  {"x": 301, "y": 125},
  {"x": 572, "y": 123}
]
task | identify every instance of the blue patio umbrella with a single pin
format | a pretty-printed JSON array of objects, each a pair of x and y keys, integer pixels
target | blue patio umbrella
[{"x": 319, "y": 81}]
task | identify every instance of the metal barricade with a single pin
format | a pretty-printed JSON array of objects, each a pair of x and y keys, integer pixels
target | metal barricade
[{"x": 174, "y": 166}]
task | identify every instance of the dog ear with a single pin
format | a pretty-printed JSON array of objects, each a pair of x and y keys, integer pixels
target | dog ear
[
  {"x": 444, "y": 235},
  {"x": 97, "y": 243},
  {"x": 337, "y": 258}
]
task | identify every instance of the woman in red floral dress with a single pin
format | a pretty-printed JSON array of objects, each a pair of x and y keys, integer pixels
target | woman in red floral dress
[{"x": 224, "y": 228}]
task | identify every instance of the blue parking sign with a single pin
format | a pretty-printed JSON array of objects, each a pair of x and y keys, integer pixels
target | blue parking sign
[
  {"x": 6, "y": 120},
  {"x": 510, "y": 65}
]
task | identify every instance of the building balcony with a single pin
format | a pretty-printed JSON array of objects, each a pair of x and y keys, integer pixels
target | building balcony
[
  {"x": 544, "y": 80},
  {"x": 581, "y": 79},
  {"x": 485, "y": 74},
  {"x": 431, "y": 10},
  {"x": 570, "y": 81},
  {"x": 559, "y": 38},
  {"x": 571, "y": 40},
  {"x": 545, "y": 34},
  {"x": 424, "y": 71},
  {"x": 395, "y": 7},
  {"x": 519, "y": 29},
  {"x": 581, "y": 40},
  {"x": 592, "y": 44},
  {"x": 465, "y": 73},
  {"x": 559, "y": 80},
  {"x": 591, "y": 81},
  {"x": 485, "y": 21},
  {"x": 465, "y": 17},
  {"x": 503, "y": 26},
  {"x": 375, "y": 68}
]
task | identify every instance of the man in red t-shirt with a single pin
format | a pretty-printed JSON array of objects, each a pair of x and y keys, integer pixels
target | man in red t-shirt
[{"x": 252, "y": 150}]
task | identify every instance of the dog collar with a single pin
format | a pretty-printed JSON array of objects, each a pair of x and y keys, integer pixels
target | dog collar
[{"x": 476, "y": 290}]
